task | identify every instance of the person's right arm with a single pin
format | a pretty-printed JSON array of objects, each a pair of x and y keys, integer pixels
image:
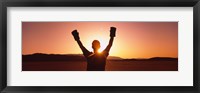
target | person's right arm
[
  {"x": 77, "y": 38},
  {"x": 84, "y": 50}
]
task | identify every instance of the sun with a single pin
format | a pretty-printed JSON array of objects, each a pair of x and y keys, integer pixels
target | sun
[
  {"x": 103, "y": 44},
  {"x": 99, "y": 51}
]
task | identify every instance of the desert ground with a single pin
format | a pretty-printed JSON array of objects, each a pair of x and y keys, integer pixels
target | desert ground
[{"x": 110, "y": 66}]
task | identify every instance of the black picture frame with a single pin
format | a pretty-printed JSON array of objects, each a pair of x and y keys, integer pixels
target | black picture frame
[{"x": 101, "y": 3}]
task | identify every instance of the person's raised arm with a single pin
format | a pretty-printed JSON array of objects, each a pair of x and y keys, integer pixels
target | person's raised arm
[
  {"x": 112, "y": 35},
  {"x": 77, "y": 38}
]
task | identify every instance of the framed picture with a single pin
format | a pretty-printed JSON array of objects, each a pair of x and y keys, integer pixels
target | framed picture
[{"x": 99, "y": 46}]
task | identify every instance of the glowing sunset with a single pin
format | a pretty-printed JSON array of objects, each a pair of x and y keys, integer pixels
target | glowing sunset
[
  {"x": 100, "y": 46},
  {"x": 133, "y": 39}
]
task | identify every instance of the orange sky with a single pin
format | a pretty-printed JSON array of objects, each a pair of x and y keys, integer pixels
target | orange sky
[{"x": 133, "y": 39}]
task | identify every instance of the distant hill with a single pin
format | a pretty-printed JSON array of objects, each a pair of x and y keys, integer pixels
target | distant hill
[
  {"x": 153, "y": 59},
  {"x": 163, "y": 58},
  {"x": 59, "y": 57},
  {"x": 80, "y": 57}
]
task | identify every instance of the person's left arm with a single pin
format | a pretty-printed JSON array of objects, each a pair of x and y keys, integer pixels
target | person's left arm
[{"x": 112, "y": 35}]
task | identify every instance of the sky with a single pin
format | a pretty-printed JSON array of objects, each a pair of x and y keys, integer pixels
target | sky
[{"x": 133, "y": 39}]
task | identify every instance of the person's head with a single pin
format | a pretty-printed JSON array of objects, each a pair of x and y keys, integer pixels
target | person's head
[{"x": 96, "y": 45}]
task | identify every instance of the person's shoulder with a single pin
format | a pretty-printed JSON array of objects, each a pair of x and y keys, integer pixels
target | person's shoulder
[
  {"x": 90, "y": 53},
  {"x": 87, "y": 53},
  {"x": 105, "y": 52}
]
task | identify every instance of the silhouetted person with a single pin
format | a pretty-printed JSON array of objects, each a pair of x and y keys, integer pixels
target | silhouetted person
[{"x": 95, "y": 61}]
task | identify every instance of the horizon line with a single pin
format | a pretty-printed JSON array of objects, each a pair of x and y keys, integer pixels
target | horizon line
[{"x": 108, "y": 56}]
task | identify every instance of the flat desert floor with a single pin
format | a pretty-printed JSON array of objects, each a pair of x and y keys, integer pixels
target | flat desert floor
[{"x": 110, "y": 66}]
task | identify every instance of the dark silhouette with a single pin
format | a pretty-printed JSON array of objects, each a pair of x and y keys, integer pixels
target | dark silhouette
[{"x": 95, "y": 61}]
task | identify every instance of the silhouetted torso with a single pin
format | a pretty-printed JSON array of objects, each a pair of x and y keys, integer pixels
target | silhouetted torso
[{"x": 96, "y": 62}]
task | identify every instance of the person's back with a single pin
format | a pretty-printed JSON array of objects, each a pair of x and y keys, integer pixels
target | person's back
[{"x": 95, "y": 61}]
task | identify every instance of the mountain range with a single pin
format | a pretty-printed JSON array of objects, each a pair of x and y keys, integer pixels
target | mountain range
[{"x": 80, "y": 57}]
